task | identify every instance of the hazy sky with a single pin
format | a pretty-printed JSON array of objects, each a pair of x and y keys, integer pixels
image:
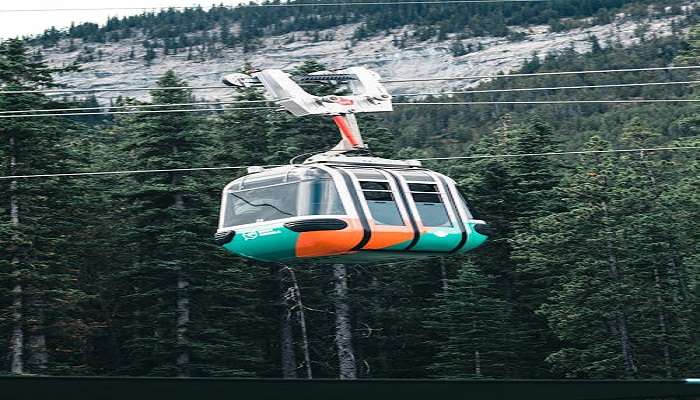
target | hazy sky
[{"x": 14, "y": 24}]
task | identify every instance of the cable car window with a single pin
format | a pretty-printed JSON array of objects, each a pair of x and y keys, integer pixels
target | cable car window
[
  {"x": 261, "y": 204},
  {"x": 315, "y": 196},
  {"x": 368, "y": 174},
  {"x": 422, "y": 187},
  {"x": 381, "y": 202},
  {"x": 236, "y": 184},
  {"x": 378, "y": 196},
  {"x": 466, "y": 206},
  {"x": 429, "y": 204},
  {"x": 369, "y": 185},
  {"x": 417, "y": 176},
  {"x": 427, "y": 198},
  {"x": 319, "y": 197},
  {"x": 251, "y": 183}
]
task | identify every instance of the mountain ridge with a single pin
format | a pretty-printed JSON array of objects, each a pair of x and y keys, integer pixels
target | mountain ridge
[{"x": 119, "y": 64}]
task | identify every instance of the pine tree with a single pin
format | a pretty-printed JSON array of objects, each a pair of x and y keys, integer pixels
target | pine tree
[
  {"x": 31, "y": 228},
  {"x": 174, "y": 267},
  {"x": 624, "y": 280},
  {"x": 473, "y": 327},
  {"x": 658, "y": 252},
  {"x": 388, "y": 303},
  {"x": 457, "y": 48},
  {"x": 534, "y": 179},
  {"x": 242, "y": 134},
  {"x": 380, "y": 141},
  {"x": 595, "y": 293},
  {"x": 242, "y": 139},
  {"x": 149, "y": 56},
  {"x": 509, "y": 193},
  {"x": 692, "y": 53}
]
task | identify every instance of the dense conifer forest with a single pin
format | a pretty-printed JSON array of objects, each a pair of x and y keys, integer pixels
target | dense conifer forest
[
  {"x": 181, "y": 30},
  {"x": 592, "y": 272}
]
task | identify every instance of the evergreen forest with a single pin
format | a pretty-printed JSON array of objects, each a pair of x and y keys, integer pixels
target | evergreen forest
[
  {"x": 592, "y": 272},
  {"x": 206, "y": 31}
]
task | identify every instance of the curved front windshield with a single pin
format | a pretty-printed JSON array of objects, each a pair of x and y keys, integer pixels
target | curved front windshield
[{"x": 291, "y": 195}]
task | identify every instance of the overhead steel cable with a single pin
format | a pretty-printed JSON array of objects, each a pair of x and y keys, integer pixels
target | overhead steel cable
[
  {"x": 124, "y": 107},
  {"x": 107, "y": 109},
  {"x": 581, "y": 72},
  {"x": 329, "y": 4},
  {"x": 560, "y": 153},
  {"x": 535, "y": 89},
  {"x": 187, "y": 110},
  {"x": 617, "y": 101},
  {"x": 478, "y": 156},
  {"x": 453, "y": 103},
  {"x": 506, "y": 90},
  {"x": 125, "y": 89},
  {"x": 128, "y": 172}
]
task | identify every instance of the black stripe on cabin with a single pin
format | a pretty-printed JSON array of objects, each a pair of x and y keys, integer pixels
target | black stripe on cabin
[
  {"x": 367, "y": 232},
  {"x": 453, "y": 205},
  {"x": 411, "y": 217},
  {"x": 323, "y": 224}
]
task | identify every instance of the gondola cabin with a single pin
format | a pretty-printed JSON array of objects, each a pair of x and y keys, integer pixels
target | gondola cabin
[{"x": 346, "y": 209}]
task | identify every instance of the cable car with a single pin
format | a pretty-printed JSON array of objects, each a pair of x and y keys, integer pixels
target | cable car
[
  {"x": 361, "y": 210},
  {"x": 340, "y": 207}
]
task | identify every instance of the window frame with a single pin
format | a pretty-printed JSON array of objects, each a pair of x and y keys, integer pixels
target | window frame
[
  {"x": 443, "y": 201},
  {"x": 442, "y": 191},
  {"x": 230, "y": 198},
  {"x": 239, "y": 183},
  {"x": 394, "y": 191}
]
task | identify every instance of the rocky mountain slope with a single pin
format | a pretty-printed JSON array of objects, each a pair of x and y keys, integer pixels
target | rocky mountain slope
[{"x": 122, "y": 64}]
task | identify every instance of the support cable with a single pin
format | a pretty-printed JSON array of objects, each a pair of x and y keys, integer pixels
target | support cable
[
  {"x": 507, "y": 90},
  {"x": 187, "y": 110},
  {"x": 535, "y": 89},
  {"x": 619, "y": 101},
  {"x": 109, "y": 108},
  {"x": 454, "y": 103},
  {"x": 124, "y": 89},
  {"x": 560, "y": 153},
  {"x": 479, "y": 156},
  {"x": 582, "y": 72}
]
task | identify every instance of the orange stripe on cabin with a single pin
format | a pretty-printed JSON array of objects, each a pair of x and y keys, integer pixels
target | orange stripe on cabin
[{"x": 327, "y": 243}]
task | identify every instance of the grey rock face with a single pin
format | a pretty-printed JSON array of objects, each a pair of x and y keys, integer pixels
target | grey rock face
[{"x": 416, "y": 60}]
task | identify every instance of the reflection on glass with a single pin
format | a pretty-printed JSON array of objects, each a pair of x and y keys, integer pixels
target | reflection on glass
[
  {"x": 385, "y": 212},
  {"x": 315, "y": 195},
  {"x": 262, "y": 204},
  {"x": 433, "y": 214},
  {"x": 416, "y": 176},
  {"x": 429, "y": 204},
  {"x": 381, "y": 203}
]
